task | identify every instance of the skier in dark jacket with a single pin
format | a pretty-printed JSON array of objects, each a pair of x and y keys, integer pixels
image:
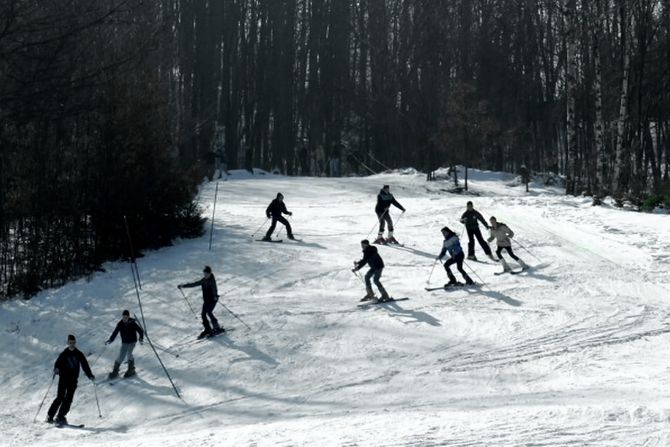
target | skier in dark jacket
[
  {"x": 384, "y": 201},
  {"x": 67, "y": 368},
  {"x": 129, "y": 329},
  {"x": 372, "y": 258},
  {"x": 452, "y": 245},
  {"x": 274, "y": 211},
  {"x": 470, "y": 219},
  {"x": 210, "y": 296}
]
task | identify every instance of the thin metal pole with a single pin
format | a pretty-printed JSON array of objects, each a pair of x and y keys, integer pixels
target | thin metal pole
[
  {"x": 45, "y": 397},
  {"x": 211, "y": 228},
  {"x": 233, "y": 314}
]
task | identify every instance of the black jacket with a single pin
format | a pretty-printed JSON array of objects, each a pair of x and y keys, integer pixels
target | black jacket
[
  {"x": 128, "y": 331},
  {"x": 209, "y": 290},
  {"x": 470, "y": 218},
  {"x": 384, "y": 202},
  {"x": 370, "y": 257},
  {"x": 276, "y": 208},
  {"x": 68, "y": 363}
]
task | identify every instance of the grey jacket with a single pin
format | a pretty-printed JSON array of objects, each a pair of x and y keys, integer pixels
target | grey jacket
[{"x": 502, "y": 234}]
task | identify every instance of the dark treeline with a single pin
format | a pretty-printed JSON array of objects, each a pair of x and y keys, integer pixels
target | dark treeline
[{"x": 112, "y": 107}]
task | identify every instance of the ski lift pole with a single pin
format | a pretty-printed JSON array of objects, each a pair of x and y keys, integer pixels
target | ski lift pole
[{"x": 53, "y": 376}]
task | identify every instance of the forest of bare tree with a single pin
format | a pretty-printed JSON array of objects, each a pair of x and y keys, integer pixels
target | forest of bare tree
[{"x": 113, "y": 108}]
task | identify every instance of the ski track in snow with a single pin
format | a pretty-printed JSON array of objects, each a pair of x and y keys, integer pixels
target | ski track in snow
[{"x": 571, "y": 352}]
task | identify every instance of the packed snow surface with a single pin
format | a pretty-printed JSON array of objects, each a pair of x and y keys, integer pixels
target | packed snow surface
[{"x": 571, "y": 352}]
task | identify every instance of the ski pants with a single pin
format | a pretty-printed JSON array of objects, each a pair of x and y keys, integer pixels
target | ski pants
[
  {"x": 126, "y": 350},
  {"x": 458, "y": 260},
  {"x": 509, "y": 250},
  {"x": 63, "y": 401},
  {"x": 282, "y": 220},
  {"x": 475, "y": 233},
  {"x": 384, "y": 218},
  {"x": 207, "y": 309},
  {"x": 375, "y": 274}
]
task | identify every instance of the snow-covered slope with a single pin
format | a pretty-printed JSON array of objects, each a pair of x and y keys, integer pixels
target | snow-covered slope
[{"x": 573, "y": 352}]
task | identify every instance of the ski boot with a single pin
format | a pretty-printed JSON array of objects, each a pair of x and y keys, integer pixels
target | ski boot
[
  {"x": 216, "y": 330},
  {"x": 469, "y": 281},
  {"x": 50, "y": 419},
  {"x": 506, "y": 267},
  {"x": 391, "y": 239},
  {"x": 115, "y": 372},
  {"x": 60, "y": 420},
  {"x": 290, "y": 236},
  {"x": 452, "y": 282},
  {"x": 131, "y": 369},
  {"x": 384, "y": 296},
  {"x": 380, "y": 241},
  {"x": 490, "y": 255},
  {"x": 472, "y": 258},
  {"x": 369, "y": 295},
  {"x": 204, "y": 334},
  {"x": 266, "y": 238}
]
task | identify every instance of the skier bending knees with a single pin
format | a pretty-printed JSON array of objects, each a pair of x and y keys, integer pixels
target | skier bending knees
[
  {"x": 503, "y": 236},
  {"x": 129, "y": 330},
  {"x": 452, "y": 245},
  {"x": 372, "y": 258}
]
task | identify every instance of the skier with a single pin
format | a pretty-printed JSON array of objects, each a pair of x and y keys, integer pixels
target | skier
[
  {"x": 469, "y": 219},
  {"x": 274, "y": 211},
  {"x": 503, "y": 236},
  {"x": 210, "y": 296},
  {"x": 67, "y": 368},
  {"x": 452, "y": 245},
  {"x": 384, "y": 201},
  {"x": 129, "y": 330},
  {"x": 372, "y": 258}
]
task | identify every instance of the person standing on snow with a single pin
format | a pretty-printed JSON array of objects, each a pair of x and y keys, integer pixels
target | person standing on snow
[
  {"x": 452, "y": 245},
  {"x": 384, "y": 201},
  {"x": 129, "y": 330},
  {"x": 274, "y": 211},
  {"x": 210, "y": 296},
  {"x": 470, "y": 219},
  {"x": 372, "y": 258},
  {"x": 67, "y": 368},
  {"x": 503, "y": 236}
]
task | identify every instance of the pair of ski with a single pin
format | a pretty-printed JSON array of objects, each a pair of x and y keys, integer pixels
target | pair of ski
[
  {"x": 65, "y": 425},
  {"x": 277, "y": 240},
  {"x": 511, "y": 272},
  {"x": 458, "y": 285},
  {"x": 373, "y": 301}
]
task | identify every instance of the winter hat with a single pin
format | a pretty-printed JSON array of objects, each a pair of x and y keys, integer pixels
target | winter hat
[
  {"x": 125, "y": 312},
  {"x": 71, "y": 338},
  {"x": 386, "y": 187},
  {"x": 207, "y": 269},
  {"x": 365, "y": 242},
  {"x": 469, "y": 203},
  {"x": 280, "y": 195},
  {"x": 446, "y": 230}
]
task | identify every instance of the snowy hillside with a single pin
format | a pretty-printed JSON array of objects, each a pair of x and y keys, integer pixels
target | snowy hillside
[{"x": 572, "y": 352}]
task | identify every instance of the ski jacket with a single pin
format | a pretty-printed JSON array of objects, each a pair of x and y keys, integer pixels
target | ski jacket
[
  {"x": 128, "y": 331},
  {"x": 68, "y": 363},
  {"x": 452, "y": 245},
  {"x": 209, "y": 290},
  {"x": 470, "y": 218},
  {"x": 502, "y": 234},
  {"x": 384, "y": 202},
  {"x": 370, "y": 257},
  {"x": 276, "y": 208}
]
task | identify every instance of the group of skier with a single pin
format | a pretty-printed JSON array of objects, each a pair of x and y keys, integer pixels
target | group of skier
[{"x": 69, "y": 362}]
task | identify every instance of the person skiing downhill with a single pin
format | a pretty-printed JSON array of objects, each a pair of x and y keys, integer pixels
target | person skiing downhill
[
  {"x": 274, "y": 211},
  {"x": 129, "y": 329},
  {"x": 67, "y": 368},
  {"x": 503, "y": 236},
  {"x": 372, "y": 258},
  {"x": 210, "y": 296},
  {"x": 384, "y": 201},
  {"x": 470, "y": 219},
  {"x": 452, "y": 245}
]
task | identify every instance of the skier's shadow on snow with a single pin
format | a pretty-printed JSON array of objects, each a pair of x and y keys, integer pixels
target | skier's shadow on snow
[
  {"x": 251, "y": 351},
  {"x": 417, "y": 316},
  {"x": 498, "y": 296},
  {"x": 414, "y": 251}
]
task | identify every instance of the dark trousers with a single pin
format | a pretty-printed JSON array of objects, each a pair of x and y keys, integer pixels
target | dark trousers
[
  {"x": 375, "y": 274},
  {"x": 63, "y": 401},
  {"x": 280, "y": 219},
  {"x": 509, "y": 250},
  {"x": 385, "y": 218},
  {"x": 207, "y": 309},
  {"x": 475, "y": 233},
  {"x": 458, "y": 260}
]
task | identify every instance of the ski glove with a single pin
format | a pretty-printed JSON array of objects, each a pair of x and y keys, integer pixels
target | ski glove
[
  {"x": 56, "y": 371},
  {"x": 91, "y": 377},
  {"x": 290, "y": 213},
  {"x": 108, "y": 342}
]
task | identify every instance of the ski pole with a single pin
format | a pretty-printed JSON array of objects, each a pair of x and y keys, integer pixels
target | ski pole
[
  {"x": 399, "y": 217},
  {"x": 358, "y": 275},
  {"x": 431, "y": 271},
  {"x": 262, "y": 225},
  {"x": 188, "y": 302},
  {"x": 526, "y": 250},
  {"x": 377, "y": 224},
  {"x": 45, "y": 397},
  {"x": 231, "y": 313},
  {"x": 474, "y": 273},
  {"x": 99, "y": 355},
  {"x": 97, "y": 402}
]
